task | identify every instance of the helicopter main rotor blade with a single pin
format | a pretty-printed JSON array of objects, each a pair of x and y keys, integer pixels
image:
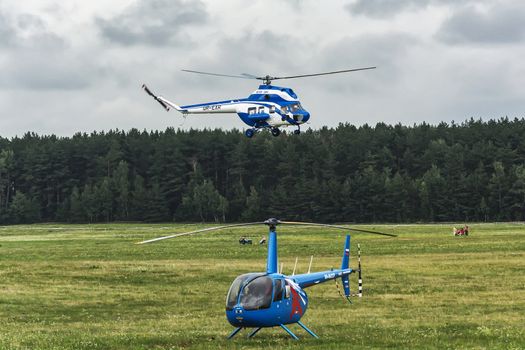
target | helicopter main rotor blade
[
  {"x": 326, "y": 73},
  {"x": 199, "y": 231},
  {"x": 299, "y": 223},
  {"x": 219, "y": 75},
  {"x": 250, "y": 76}
]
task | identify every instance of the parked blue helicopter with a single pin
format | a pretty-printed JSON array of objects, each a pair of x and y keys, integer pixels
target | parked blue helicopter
[
  {"x": 268, "y": 107},
  {"x": 270, "y": 299}
]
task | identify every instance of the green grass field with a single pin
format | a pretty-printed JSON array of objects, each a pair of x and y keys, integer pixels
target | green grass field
[{"x": 90, "y": 287}]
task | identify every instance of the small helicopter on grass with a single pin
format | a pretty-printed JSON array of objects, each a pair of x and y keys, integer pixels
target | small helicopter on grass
[
  {"x": 268, "y": 107},
  {"x": 269, "y": 299}
]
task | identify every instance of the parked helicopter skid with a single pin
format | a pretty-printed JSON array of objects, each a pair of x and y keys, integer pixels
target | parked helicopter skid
[
  {"x": 269, "y": 299},
  {"x": 268, "y": 107}
]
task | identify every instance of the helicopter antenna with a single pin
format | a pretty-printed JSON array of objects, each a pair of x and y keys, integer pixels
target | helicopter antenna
[
  {"x": 267, "y": 79},
  {"x": 310, "y": 266},
  {"x": 282, "y": 264},
  {"x": 295, "y": 266}
]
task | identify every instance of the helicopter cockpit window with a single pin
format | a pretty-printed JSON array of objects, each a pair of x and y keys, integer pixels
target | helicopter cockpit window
[
  {"x": 278, "y": 290},
  {"x": 257, "y": 294},
  {"x": 295, "y": 107},
  {"x": 284, "y": 109},
  {"x": 233, "y": 294},
  {"x": 272, "y": 109}
]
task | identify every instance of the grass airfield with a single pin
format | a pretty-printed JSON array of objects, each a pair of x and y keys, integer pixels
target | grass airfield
[{"x": 90, "y": 287}]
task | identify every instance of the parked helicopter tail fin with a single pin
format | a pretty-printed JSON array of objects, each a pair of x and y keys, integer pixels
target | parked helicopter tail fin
[{"x": 344, "y": 265}]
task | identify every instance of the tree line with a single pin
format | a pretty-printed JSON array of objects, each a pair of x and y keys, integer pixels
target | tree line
[{"x": 473, "y": 171}]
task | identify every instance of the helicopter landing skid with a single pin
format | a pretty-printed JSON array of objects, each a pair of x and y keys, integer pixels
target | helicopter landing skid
[
  {"x": 289, "y": 331},
  {"x": 303, "y": 327},
  {"x": 254, "y": 332},
  {"x": 235, "y": 331},
  {"x": 307, "y": 329}
]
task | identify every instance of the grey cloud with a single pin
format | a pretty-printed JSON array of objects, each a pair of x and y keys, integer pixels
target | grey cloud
[
  {"x": 35, "y": 58},
  {"x": 388, "y": 52},
  {"x": 6, "y": 31},
  {"x": 498, "y": 25},
  {"x": 27, "y": 30},
  {"x": 382, "y": 8},
  {"x": 43, "y": 70},
  {"x": 30, "y": 23},
  {"x": 153, "y": 22},
  {"x": 265, "y": 51},
  {"x": 388, "y": 8},
  {"x": 280, "y": 54}
]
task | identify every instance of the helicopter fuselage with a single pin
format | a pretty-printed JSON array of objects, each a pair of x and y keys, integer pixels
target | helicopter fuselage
[
  {"x": 267, "y": 107},
  {"x": 272, "y": 299},
  {"x": 269, "y": 300}
]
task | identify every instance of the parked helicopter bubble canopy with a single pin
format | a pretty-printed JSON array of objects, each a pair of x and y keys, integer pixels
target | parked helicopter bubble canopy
[
  {"x": 268, "y": 299},
  {"x": 268, "y": 107}
]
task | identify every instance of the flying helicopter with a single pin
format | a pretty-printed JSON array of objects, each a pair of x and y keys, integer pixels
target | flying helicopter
[
  {"x": 268, "y": 107},
  {"x": 271, "y": 299}
]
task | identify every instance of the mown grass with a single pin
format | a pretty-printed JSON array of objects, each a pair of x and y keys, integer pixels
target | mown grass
[{"x": 89, "y": 287}]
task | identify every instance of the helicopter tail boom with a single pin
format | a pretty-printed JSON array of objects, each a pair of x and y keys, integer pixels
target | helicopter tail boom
[
  {"x": 229, "y": 106},
  {"x": 310, "y": 279}
]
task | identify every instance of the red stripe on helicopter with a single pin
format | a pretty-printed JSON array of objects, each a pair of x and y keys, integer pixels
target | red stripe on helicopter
[{"x": 296, "y": 304}]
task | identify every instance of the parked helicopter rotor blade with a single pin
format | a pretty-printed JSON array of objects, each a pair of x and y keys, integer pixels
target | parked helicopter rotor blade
[
  {"x": 299, "y": 223},
  {"x": 219, "y": 75},
  {"x": 325, "y": 73},
  {"x": 199, "y": 231}
]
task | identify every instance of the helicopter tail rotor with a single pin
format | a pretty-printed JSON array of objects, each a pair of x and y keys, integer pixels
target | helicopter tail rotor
[
  {"x": 159, "y": 100},
  {"x": 360, "y": 277},
  {"x": 345, "y": 279},
  {"x": 167, "y": 105}
]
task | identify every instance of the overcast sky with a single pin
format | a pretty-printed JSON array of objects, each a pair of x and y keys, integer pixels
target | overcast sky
[{"x": 69, "y": 66}]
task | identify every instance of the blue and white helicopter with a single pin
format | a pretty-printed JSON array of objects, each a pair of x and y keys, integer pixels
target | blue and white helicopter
[
  {"x": 269, "y": 299},
  {"x": 268, "y": 107}
]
